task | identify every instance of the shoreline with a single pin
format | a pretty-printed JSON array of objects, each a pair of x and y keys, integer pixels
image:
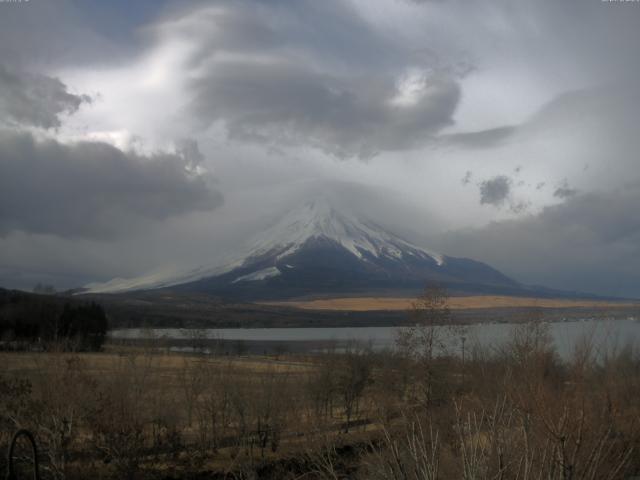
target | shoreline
[{"x": 279, "y": 341}]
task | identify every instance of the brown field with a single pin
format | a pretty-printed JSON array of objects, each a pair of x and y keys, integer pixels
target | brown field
[
  {"x": 363, "y": 304},
  {"x": 143, "y": 413},
  {"x": 139, "y": 392}
]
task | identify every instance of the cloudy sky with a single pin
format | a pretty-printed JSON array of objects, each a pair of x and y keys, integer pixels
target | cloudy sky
[{"x": 162, "y": 134}]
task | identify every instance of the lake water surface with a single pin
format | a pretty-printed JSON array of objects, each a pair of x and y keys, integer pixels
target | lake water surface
[{"x": 605, "y": 335}]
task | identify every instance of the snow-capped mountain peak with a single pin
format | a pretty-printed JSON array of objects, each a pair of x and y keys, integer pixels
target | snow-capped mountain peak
[
  {"x": 318, "y": 219},
  {"x": 318, "y": 246}
]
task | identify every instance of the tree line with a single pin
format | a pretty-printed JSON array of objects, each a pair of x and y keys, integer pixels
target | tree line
[{"x": 28, "y": 320}]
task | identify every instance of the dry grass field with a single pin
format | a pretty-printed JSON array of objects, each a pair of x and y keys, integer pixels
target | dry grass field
[
  {"x": 166, "y": 366},
  {"x": 145, "y": 413},
  {"x": 363, "y": 304},
  {"x": 134, "y": 406}
]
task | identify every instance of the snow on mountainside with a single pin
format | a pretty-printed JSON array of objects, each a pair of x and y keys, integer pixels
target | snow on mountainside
[
  {"x": 318, "y": 219},
  {"x": 259, "y": 275},
  {"x": 319, "y": 246}
]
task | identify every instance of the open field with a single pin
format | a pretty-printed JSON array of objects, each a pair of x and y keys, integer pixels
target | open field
[
  {"x": 143, "y": 409},
  {"x": 168, "y": 366},
  {"x": 143, "y": 413},
  {"x": 365, "y": 304}
]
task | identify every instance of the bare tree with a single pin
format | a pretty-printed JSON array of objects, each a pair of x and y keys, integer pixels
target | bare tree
[
  {"x": 353, "y": 376},
  {"x": 425, "y": 338},
  {"x": 428, "y": 313}
]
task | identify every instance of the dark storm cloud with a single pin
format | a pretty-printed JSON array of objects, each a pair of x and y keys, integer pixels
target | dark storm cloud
[
  {"x": 495, "y": 191},
  {"x": 591, "y": 242},
  {"x": 287, "y": 80},
  {"x": 35, "y": 100},
  {"x": 295, "y": 105},
  {"x": 91, "y": 189}
]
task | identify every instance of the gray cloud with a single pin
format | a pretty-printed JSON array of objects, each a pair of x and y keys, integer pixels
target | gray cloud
[
  {"x": 498, "y": 192},
  {"x": 480, "y": 139},
  {"x": 564, "y": 190},
  {"x": 285, "y": 81},
  {"x": 39, "y": 35},
  {"x": 91, "y": 189},
  {"x": 346, "y": 117},
  {"x": 594, "y": 111},
  {"x": 33, "y": 99},
  {"x": 189, "y": 150},
  {"x": 495, "y": 191},
  {"x": 591, "y": 242}
]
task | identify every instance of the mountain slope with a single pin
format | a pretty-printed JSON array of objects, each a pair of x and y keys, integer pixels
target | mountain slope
[{"x": 317, "y": 249}]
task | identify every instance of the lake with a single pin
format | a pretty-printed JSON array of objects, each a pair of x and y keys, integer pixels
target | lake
[{"x": 604, "y": 334}]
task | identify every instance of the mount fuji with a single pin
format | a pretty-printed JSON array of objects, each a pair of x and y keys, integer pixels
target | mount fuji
[{"x": 319, "y": 249}]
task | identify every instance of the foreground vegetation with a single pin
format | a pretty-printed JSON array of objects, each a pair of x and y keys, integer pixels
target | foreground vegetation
[{"x": 515, "y": 412}]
